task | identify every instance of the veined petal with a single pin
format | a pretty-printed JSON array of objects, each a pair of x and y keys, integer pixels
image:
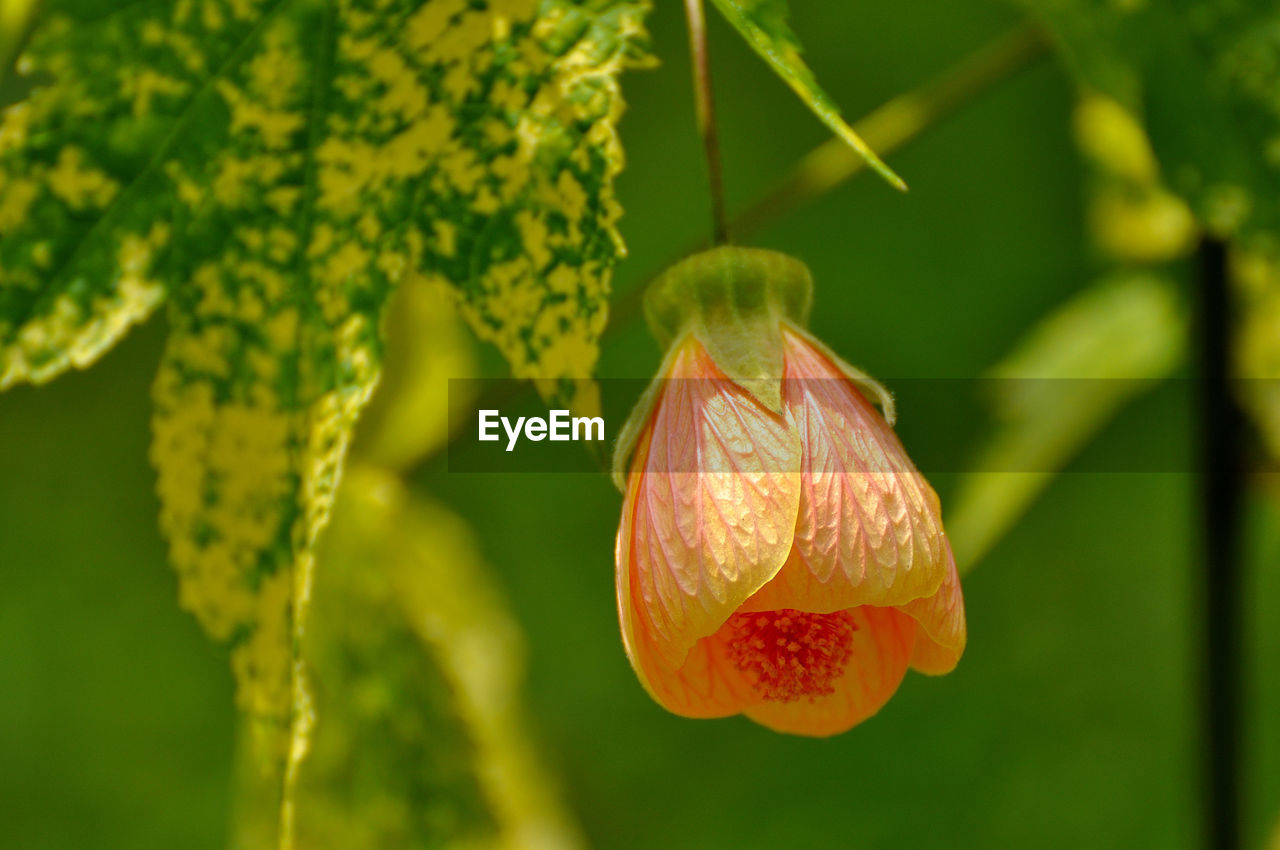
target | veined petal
[
  {"x": 707, "y": 684},
  {"x": 869, "y": 530},
  {"x": 882, "y": 645},
  {"x": 941, "y": 638},
  {"x": 715, "y": 503},
  {"x": 704, "y": 686}
]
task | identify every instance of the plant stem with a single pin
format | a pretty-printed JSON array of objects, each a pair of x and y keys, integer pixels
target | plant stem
[
  {"x": 935, "y": 99},
  {"x": 886, "y": 129},
  {"x": 704, "y": 104},
  {"x": 1222, "y": 487}
]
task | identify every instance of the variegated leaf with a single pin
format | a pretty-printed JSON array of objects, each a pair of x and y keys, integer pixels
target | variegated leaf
[{"x": 271, "y": 169}]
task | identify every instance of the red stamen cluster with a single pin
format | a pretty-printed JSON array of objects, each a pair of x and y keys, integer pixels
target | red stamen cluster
[{"x": 789, "y": 654}]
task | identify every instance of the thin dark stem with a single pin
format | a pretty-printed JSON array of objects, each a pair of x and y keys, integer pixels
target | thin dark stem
[
  {"x": 704, "y": 103},
  {"x": 829, "y": 165},
  {"x": 886, "y": 129},
  {"x": 1222, "y": 481}
]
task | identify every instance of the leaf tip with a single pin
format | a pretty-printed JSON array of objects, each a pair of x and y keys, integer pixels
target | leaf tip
[{"x": 890, "y": 176}]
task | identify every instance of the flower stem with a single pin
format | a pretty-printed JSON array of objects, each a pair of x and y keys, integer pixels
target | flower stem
[
  {"x": 943, "y": 94},
  {"x": 704, "y": 104},
  {"x": 886, "y": 129},
  {"x": 1222, "y": 487}
]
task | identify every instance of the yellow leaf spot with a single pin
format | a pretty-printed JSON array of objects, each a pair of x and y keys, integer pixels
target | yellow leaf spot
[
  {"x": 282, "y": 329},
  {"x": 211, "y": 15},
  {"x": 15, "y": 122},
  {"x": 144, "y": 84},
  {"x": 533, "y": 234},
  {"x": 345, "y": 262},
  {"x": 446, "y": 237},
  {"x": 16, "y": 197},
  {"x": 424, "y": 27},
  {"x": 78, "y": 185},
  {"x": 264, "y": 663},
  {"x": 284, "y": 199},
  {"x": 275, "y": 126},
  {"x": 276, "y": 74}
]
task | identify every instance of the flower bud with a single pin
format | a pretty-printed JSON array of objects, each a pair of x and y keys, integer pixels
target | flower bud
[{"x": 778, "y": 555}]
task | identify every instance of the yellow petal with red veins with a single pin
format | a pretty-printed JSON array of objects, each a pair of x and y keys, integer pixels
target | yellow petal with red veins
[
  {"x": 713, "y": 516},
  {"x": 869, "y": 529},
  {"x": 941, "y": 638},
  {"x": 704, "y": 686}
]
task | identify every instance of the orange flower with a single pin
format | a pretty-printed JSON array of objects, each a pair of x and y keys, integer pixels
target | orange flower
[{"x": 779, "y": 555}]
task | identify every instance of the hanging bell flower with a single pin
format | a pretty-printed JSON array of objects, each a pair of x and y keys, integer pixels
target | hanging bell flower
[{"x": 779, "y": 555}]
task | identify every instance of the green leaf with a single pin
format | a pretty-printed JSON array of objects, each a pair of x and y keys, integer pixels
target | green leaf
[
  {"x": 763, "y": 23},
  {"x": 272, "y": 169},
  {"x": 1202, "y": 77},
  {"x": 420, "y": 738},
  {"x": 426, "y": 345},
  {"x": 1056, "y": 390}
]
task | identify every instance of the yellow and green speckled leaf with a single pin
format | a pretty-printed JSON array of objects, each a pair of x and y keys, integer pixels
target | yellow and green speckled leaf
[
  {"x": 763, "y": 23},
  {"x": 271, "y": 169},
  {"x": 420, "y": 738},
  {"x": 472, "y": 140}
]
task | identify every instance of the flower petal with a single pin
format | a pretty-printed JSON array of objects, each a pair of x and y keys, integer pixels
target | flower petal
[
  {"x": 714, "y": 509},
  {"x": 704, "y": 686},
  {"x": 881, "y": 647},
  {"x": 941, "y": 638},
  {"x": 869, "y": 529},
  {"x": 707, "y": 684}
]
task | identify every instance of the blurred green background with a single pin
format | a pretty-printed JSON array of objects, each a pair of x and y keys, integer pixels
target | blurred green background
[{"x": 1070, "y": 722}]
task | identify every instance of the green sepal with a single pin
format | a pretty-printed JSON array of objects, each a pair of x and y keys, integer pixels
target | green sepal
[{"x": 734, "y": 300}]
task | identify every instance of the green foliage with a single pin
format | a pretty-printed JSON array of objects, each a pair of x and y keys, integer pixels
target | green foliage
[
  {"x": 391, "y": 763},
  {"x": 1133, "y": 218},
  {"x": 1202, "y": 77},
  {"x": 1069, "y": 376},
  {"x": 1056, "y": 390},
  {"x": 426, "y": 345},
  {"x": 763, "y": 23},
  {"x": 415, "y": 668},
  {"x": 1256, "y": 279},
  {"x": 272, "y": 168},
  {"x": 96, "y": 751},
  {"x": 14, "y": 15},
  {"x": 420, "y": 739}
]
